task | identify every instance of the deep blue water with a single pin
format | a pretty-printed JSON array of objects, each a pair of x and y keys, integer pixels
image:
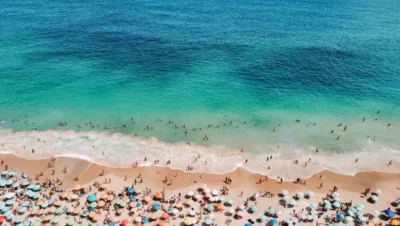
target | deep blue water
[{"x": 263, "y": 62}]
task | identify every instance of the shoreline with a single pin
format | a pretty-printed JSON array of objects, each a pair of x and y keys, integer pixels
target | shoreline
[
  {"x": 244, "y": 185},
  {"x": 126, "y": 150}
]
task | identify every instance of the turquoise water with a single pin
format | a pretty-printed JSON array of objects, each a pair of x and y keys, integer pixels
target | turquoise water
[{"x": 206, "y": 62}]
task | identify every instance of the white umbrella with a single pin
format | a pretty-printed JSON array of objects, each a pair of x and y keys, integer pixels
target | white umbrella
[
  {"x": 190, "y": 193},
  {"x": 197, "y": 196},
  {"x": 212, "y": 199},
  {"x": 212, "y": 216},
  {"x": 138, "y": 219},
  {"x": 206, "y": 190},
  {"x": 239, "y": 213},
  {"x": 310, "y": 194},
  {"x": 335, "y": 194},
  {"x": 192, "y": 213},
  {"x": 300, "y": 195},
  {"x": 285, "y": 192},
  {"x": 232, "y": 211},
  {"x": 278, "y": 213},
  {"x": 214, "y": 192},
  {"x": 221, "y": 198},
  {"x": 175, "y": 211},
  {"x": 378, "y": 191},
  {"x": 242, "y": 207}
]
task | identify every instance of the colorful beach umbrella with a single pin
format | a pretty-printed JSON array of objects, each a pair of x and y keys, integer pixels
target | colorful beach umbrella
[
  {"x": 253, "y": 209},
  {"x": 156, "y": 207},
  {"x": 91, "y": 198}
]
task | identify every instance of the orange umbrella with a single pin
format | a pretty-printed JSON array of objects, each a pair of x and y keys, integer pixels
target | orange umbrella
[
  {"x": 57, "y": 203},
  {"x": 102, "y": 186},
  {"x": 125, "y": 199},
  {"x": 2, "y": 218},
  {"x": 158, "y": 195},
  {"x": 34, "y": 212},
  {"x": 110, "y": 197},
  {"x": 39, "y": 202},
  {"x": 91, "y": 214},
  {"x": 153, "y": 216},
  {"x": 161, "y": 223},
  {"x": 47, "y": 218},
  {"x": 219, "y": 206},
  {"x": 114, "y": 219},
  {"x": 96, "y": 217},
  {"x": 165, "y": 215},
  {"x": 147, "y": 198},
  {"x": 77, "y": 187},
  {"x": 77, "y": 210},
  {"x": 132, "y": 204},
  {"x": 40, "y": 212},
  {"x": 104, "y": 196},
  {"x": 138, "y": 224},
  {"x": 101, "y": 203},
  {"x": 64, "y": 195}
]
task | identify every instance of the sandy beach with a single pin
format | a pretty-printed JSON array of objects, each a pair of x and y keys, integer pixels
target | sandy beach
[{"x": 243, "y": 188}]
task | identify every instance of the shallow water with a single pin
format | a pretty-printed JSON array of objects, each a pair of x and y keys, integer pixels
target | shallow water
[{"x": 266, "y": 63}]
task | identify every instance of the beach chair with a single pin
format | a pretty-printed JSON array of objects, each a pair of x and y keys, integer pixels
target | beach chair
[{"x": 228, "y": 221}]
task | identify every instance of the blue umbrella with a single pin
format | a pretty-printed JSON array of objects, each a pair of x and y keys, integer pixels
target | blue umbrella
[
  {"x": 85, "y": 213},
  {"x": 18, "y": 220},
  {"x": 132, "y": 198},
  {"x": 9, "y": 217},
  {"x": 273, "y": 222},
  {"x": 336, "y": 204},
  {"x": 208, "y": 221},
  {"x": 91, "y": 198},
  {"x": 9, "y": 202},
  {"x": 111, "y": 224},
  {"x": 389, "y": 213},
  {"x": 25, "y": 204},
  {"x": 139, "y": 204},
  {"x": 210, "y": 208},
  {"x": 247, "y": 224},
  {"x": 340, "y": 217},
  {"x": 22, "y": 210},
  {"x": 145, "y": 220},
  {"x": 156, "y": 207},
  {"x": 130, "y": 190},
  {"x": 5, "y": 209}
]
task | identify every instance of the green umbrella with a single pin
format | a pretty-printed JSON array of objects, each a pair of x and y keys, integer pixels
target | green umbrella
[
  {"x": 59, "y": 210},
  {"x": 55, "y": 220},
  {"x": 71, "y": 222},
  {"x": 93, "y": 204}
]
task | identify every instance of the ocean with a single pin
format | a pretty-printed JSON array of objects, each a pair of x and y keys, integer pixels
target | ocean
[{"x": 142, "y": 78}]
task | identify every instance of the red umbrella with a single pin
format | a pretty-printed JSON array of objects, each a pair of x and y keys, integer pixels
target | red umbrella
[
  {"x": 124, "y": 222},
  {"x": 2, "y": 218}
]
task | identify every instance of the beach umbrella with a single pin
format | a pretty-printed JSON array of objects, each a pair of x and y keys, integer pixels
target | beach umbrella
[
  {"x": 145, "y": 220},
  {"x": 2, "y": 183},
  {"x": 111, "y": 223},
  {"x": 300, "y": 195},
  {"x": 59, "y": 210},
  {"x": 161, "y": 223},
  {"x": 175, "y": 211},
  {"x": 242, "y": 207},
  {"x": 327, "y": 201},
  {"x": 389, "y": 213},
  {"x": 192, "y": 213},
  {"x": 229, "y": 202},
  {"x": 132, "y": 198},
  {"x": 351, "y": 213},
  {"x": 215, "y": 192},
  {"x": 188, "y": 220},
  {"x": 101, "y": 203},
  {"x": 271, "y": 211},
  {"x": 352, "y": 209},
  {"x": 25, "y": 183},
  {"x": 44, "y": 205},
  {"x": 286, "y": 197},
  {"x": 9, "y": 182},
  {"x": 239, "y": 213},
  {"x": 206, "y": 190},
  {"x": 292, "y": 202},
  {"x": 9, "y": 202},
  {"x": 362, "y": 218},
  {"x": 9, "y": 195},
  {"x": 124, "y": 222},
  {"x": 310, "y": 194},
  {"x": 16, "y": 184},
  {"x": 263, "y": 218},
  {"x": 130, "y": 190},
  {"x": 376, "y": 213},
  {"x": 36, "y": 187},
  {"x": 138, "y": 219},
  {"x": 190, "y": 203},
  {"x": 71, "y": 222},
  {"x": 337, "y": 199},
  {"x": 219, "y": 206},
  {"x": 335, "y": 194},
  {"x": 93, "y": 205},
  {"x": 378, "y": 191},
  {"x": 147, "y": 198},
  {"x": 313, "y": 205},
  {"x": 25, "y": 204},
  {"x": 210, "y": 208},
  {"x": 248, "y": 224},
  {"x": 375, "y": 198},
  {"x": 190, "y": 193},
  {"x": 336, "y": 204},
  {"x": 253, "y": 209},
  {"x": 273, "y": 222},
  {"x": 18, "y": 220},
  {"x": 156, "y": 207},
  {"x": 165, "y": 216},
  {"x": 85, "y": 213},
  {"x": 360, "y": 206},
  {"x": 328, "y": 206},
  {"x": 91, "y": 198},
  {"x": 340, "y": 216},
  {"x": 208, "y": 221},
  {"x": 138, "y": 205},
  {"x": 158, "y": 195},
  {"x": 197, "y": 196},
  {"x": 22, "y": 210}
]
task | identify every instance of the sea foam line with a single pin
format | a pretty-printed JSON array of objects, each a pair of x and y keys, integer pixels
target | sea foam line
[{"x": 120, "y": 151}]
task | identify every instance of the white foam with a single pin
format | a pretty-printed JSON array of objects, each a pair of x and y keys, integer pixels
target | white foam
[{"x": 122, "y": 150}]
